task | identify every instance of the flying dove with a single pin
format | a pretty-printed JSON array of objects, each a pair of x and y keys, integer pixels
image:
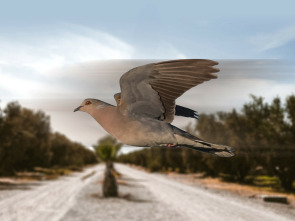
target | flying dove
[{"x": 146, "y": 106}]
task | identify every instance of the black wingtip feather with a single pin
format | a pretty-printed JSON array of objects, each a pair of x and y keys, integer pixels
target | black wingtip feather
[{"x": 185, "y": 112}]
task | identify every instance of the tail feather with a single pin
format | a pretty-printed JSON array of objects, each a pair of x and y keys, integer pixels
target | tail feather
[
  {"x": 225, "y": 152},
  {"x": 192, "y": 142},
  {"x": 217, "y": 149}
]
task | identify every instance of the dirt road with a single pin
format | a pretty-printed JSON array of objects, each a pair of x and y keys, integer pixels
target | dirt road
[
  {"x": 197, "y": 203},
  {"x": 146, "y": 197},
  {"x": 44, "y": 201}
]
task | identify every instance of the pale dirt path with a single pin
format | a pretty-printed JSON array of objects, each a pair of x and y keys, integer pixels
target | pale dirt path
[
  {"x": 197, "y": 203},
  {"x": 154, "y": 197},
  {"x": 48, "y": 201}
]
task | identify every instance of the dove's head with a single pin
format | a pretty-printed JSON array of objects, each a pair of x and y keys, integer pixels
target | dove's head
[{"x": 89, "y": 105}]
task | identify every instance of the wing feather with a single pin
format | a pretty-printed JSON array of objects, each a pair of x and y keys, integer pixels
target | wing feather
[{"x": 151, "y": 90}]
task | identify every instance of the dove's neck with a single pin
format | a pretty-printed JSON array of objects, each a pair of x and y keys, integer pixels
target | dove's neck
[{"x": 108, "y": 117}]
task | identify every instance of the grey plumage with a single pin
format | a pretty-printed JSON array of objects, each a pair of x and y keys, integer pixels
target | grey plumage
[
  {"x": 164, "y": 82},
  {"x": 146, "y": 105},
  {"x": 179, "y": 110}
]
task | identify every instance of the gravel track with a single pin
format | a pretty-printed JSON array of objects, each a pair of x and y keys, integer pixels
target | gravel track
[
  {"x": 46, "y": 201},
  {"x": 143, "y": 196},
  {"x": 198, "y": 203}
]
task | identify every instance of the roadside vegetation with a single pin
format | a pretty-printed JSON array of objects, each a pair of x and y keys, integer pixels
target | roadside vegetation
[
  {"x": 262, "y": 133},
  {"x": 29, "y": 148}
]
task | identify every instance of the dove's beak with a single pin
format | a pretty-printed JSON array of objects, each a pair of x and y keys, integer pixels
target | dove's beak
[{"x": 78, "y": 108}]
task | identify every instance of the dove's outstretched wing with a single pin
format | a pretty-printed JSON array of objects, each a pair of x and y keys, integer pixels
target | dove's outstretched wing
[{"x": 151, "y": 90}]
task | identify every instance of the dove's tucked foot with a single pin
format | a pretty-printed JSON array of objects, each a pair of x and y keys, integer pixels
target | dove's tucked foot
[{"x": 171, "y": 145}]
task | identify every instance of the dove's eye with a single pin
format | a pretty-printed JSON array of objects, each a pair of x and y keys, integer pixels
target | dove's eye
[{"x": 88, "y": 102}]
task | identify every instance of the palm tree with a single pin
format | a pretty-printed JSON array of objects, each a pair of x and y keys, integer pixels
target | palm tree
[{"x": 106, "y": 150}]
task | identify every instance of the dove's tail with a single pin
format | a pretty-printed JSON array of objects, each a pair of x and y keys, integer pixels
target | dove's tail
[{"x": 187, "y": 140}]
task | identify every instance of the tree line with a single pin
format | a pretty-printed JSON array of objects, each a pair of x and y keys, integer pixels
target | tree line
[
  {"x": 262, "y": 133},
  {"x": 26, "y": 141}
]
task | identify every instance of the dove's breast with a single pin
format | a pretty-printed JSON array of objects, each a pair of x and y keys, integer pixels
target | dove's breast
[{"x": 135, "y": 131}]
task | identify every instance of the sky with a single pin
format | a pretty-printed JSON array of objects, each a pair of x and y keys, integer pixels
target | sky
[{"x": 54, "y": 54}]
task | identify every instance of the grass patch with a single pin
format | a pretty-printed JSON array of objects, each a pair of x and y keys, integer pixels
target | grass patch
[
  {"x": 262, "y": 182},
  {"x": 266, "y": 181}
]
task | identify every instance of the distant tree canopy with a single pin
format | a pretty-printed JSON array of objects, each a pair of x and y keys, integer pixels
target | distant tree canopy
[
  {"x": 26, "y": 142},
  {"x": 263, "y": 135},
  {"x": 67, "y": 153},
  {"x": 107, "y": 148}
]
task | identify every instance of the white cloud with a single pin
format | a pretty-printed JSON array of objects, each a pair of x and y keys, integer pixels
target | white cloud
[
  {"x": 28, "y": 64},
  {"x": 33, "y": 59},
  {"x": 165, "y": 51},
  {"x": 266, "y": 41},
  {"x": 19, "y": 88},
  {"x": 44, "y": 53}
]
